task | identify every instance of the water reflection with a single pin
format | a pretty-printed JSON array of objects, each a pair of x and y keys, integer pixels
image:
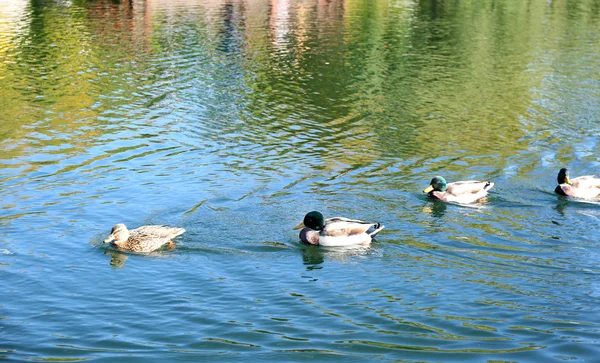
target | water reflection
[
  {"x": 312, "y": 256},
  {"x": 578, "y": 205},
  {"x": 315, "y": 256},
  {"x": 117, "y": 259},
  {"x": 561, "y": 205},
  {"x": 353, "y": 71},
  {"x": 435, "y": 208}
]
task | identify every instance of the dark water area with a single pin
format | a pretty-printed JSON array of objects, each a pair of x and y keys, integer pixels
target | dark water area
[{"x": 233, "y": 119}]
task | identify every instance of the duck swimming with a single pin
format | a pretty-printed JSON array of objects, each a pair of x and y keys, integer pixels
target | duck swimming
[
  {"x": 142, "y": 239},
  {"x": 463, "y": 192},
  {"x": 585, "y": 187},
  {"x": 338, "y": 231}
]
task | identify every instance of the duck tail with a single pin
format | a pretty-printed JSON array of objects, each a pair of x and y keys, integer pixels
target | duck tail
[
  {"x": 488, "y": 185},
  {"x": 178, "y": 232},
  {"x": 376, "y": 228}
]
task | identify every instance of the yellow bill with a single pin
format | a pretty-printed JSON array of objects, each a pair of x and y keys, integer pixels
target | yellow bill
[
  {"x": 301, "y": 225},
  {"x": 428, "y": 189}
]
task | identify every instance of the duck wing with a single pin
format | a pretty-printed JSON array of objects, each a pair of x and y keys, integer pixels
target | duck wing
[
  {"x": 156, "y": 232},
  {"x": 585, "y": 182},
  {"x": 468, "y": 187},
  {"x": 340, "y": 226}
]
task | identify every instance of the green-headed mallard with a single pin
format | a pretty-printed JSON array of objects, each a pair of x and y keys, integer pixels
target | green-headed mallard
[
  {"x": 337, "y": 231},
  {"x": 585, "y": 187},
  {"x": 142, "y": 239},
  {"x": 463, "y": 192}
]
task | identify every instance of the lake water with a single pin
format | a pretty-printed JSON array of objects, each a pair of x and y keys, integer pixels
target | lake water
[{"x": 233, "y": 118}]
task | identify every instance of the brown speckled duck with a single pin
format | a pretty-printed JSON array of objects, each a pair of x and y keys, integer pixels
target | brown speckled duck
[
  {"x": 142, "y": 239},
  {"x": 462, "y": 192},
  {"x": 338, "y": 231},
  {"x": 584, "y": 187}
]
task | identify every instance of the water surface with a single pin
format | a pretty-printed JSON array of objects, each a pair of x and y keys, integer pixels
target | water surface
[{"x": 233, "y": 119}]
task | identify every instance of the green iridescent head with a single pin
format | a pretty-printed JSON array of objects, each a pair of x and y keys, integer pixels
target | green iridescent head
[
  {"x": 313, "y": 220},
  {"x": 563, "y": 176},
  {"x": 438, "y": 184}
]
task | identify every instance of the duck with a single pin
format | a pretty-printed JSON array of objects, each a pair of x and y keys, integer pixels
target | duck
[
  {"x": 142, "y": 239},
  {"x": 584, "y": 187},
  {"x": 336, "y": 232},
  {"x": 463, "y": 192}
]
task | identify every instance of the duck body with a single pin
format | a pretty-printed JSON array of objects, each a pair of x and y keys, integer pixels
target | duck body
[
  {"x": 142, "y": 239},
  {"x": 337, "y": 232},
  {"x": 463, "y": 192},
  {"x": 584, "y": 187}
]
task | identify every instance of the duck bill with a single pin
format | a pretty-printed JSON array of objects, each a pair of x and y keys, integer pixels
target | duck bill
[
  {"x": 428, "y": 189},
  {"x": 109, "y": 239},
  {"x": 567, "y": 180},
  {"x": 301, "y": 225}
]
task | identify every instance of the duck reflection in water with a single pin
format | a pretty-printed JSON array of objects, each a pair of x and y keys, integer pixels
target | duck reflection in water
[
  {"x": 436, "y": 208},
  {"x": 314, "y": 257},
  {"x": 117, "y": 259}
]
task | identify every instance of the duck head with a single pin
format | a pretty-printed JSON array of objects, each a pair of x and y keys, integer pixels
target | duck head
[
  {"x": 118, "y": 234},
  {"x": 438, "y": 184},
  {"x": 313, "y": 220},
  {"x": 563, "y": 177}
]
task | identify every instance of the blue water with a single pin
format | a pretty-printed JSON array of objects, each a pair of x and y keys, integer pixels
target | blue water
[{"x": 232, "y": 119}]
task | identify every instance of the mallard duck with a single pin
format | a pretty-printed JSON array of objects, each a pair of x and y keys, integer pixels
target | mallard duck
[
  {"x": 463, "y": 192},
  {"x": 142, "y": 239},
  {"x": 585, "y": 187},
  {"x": 336, "y": 231}
]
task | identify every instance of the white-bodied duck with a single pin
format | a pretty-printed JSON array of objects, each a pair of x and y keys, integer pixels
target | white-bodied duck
[
  {"x": 462, "y": 192},
  {"x": 338, "y": 231},
  {"x": 584, "y": 187}
]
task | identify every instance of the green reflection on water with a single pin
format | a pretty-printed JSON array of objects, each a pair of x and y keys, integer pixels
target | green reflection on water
[{"x": 405, "y": 79}]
